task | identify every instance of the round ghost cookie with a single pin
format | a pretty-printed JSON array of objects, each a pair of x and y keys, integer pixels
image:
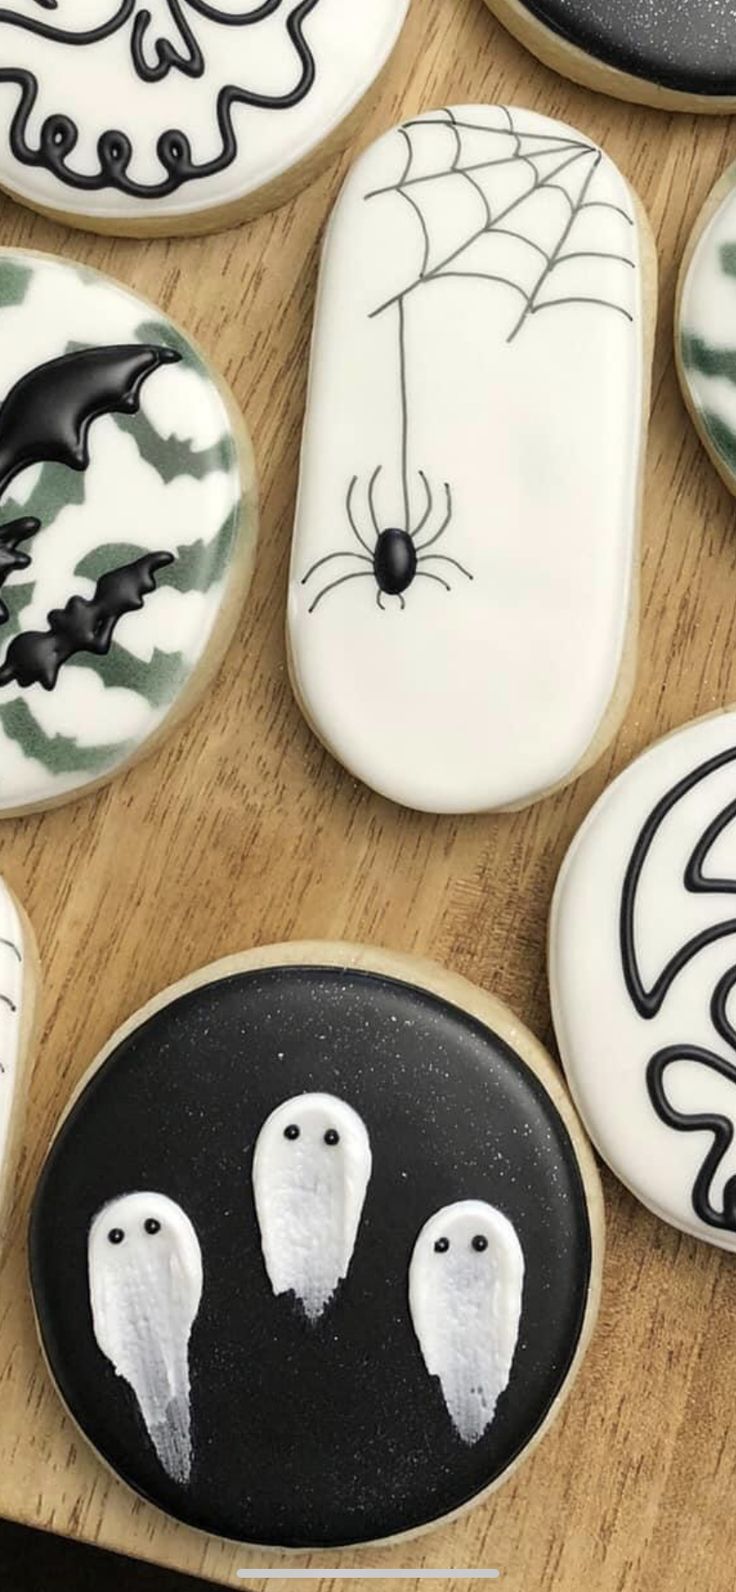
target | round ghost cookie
[
  {"x": 316, "y": 1250},
  {"x": 19, "y": 990},
  {"x": 127, "y": 528},
  {"x": 705, "y": 327},
  {"x": 183, "y": 116},
  {"x": 643, "y": 973},
  {"x": 464, "y": 568},
  {"x": 663, "y": 53}
]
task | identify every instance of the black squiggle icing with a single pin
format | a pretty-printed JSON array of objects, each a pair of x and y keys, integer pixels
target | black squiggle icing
[
  {"x": 84, "y": 625},
  {"x": 649, "y": 1001},
  {"x": 59, "y": 134}
]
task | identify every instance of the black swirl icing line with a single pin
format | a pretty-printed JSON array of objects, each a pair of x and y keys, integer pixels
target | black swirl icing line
[
  {"x": 84, "y": 625},
  {"x": 649, "y": 1001},
  {"x": 59, "y": 134}
]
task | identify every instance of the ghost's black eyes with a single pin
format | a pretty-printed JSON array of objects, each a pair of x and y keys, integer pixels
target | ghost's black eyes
[
  {"x": 332, "y": 1136},
  {"x": 442, "y": 1246},
  {"x": 292, "y": 1132},
  {"x": 152, "y": 1227},
  {"x": 115, "y": 1235},
  {"x": 480, "y": 1243}
]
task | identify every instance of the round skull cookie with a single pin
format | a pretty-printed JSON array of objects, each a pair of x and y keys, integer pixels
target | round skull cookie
[
  {"x": 705, "y": 329},
  {"x": 180, "y": 115},
  {"x": 316, "y": 1250},
  {"x": 127, "y": 528},
  {"x": 643, "y": 973},
  {"x": 462, "y": 594},
  {"x": 665, "y": 53},
  {"x": 19, "y": 984}
]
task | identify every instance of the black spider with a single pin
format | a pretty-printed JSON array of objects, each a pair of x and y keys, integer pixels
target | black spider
[{"x": 395, "y": 556}]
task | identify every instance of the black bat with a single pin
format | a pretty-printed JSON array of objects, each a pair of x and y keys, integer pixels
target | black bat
[
  {"x": 47, "y": 415},
  {"x": 84, "y": 625}
]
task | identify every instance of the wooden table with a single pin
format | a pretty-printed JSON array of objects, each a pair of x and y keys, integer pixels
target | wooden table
[{"x": 243, "y": 831}]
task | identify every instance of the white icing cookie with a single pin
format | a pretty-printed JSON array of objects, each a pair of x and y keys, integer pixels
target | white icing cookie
[
  {"x": 181, "y": 115},
  {"x": 464, "y": 560},
  {"x": 127, "y": 528},
  {"x": 18, "y": 998},
  {"x": 643, "y": 972},
  {"x": 705, "y": 332}
]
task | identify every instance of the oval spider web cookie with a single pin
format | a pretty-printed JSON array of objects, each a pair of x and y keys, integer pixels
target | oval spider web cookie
[
  {"x": 181, "y": 115},
  {"x": 464, "y": 554},
  {"x": 317, "y": 1291},
  {"x": 127, "y": 528}
]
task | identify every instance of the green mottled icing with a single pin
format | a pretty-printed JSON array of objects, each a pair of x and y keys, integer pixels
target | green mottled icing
[{"x": 60, "y": 754}]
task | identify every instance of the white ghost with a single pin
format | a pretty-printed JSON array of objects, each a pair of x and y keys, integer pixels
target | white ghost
[
  {"x": 145, "y": 1283},
  {"x": 465, "y": 1284},
  {"x": 311, "y": 1170}
]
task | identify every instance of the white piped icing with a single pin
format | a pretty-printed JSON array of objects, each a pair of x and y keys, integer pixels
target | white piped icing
[
  {"x": 311, "y": 1170},
  {"x": 474, "y": 431},
  {"x": 12, "y": 956},
  {"x": 466, "y": 1280},
  {"x": 117, "y": 111},
  {"x": 145, "y": 1281},
  {"x": 642, "y": 971}
]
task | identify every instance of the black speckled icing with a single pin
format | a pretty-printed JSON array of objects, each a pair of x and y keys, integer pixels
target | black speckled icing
[
  {"x": 682, "y": 44},
  {"x": 321, "y": 1434}
]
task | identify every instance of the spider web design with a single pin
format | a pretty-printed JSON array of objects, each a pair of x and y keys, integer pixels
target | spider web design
[
  {"x": 506, "y": 206},
  {"x": 514, "y": 201}
]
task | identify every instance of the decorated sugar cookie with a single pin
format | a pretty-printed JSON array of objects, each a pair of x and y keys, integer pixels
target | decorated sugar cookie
[
  {"x": 127, "y": 528},
  {"x": 643, "y": 972},
  {"x": 18, "y": 1000},
  {"x": 663, "y": 53},
  {"x": 316, "y": 1212},
  {"x": 180, "y": 116},
  {"x": 705, "y": 333},
  {"x": 464, "y": 557}
]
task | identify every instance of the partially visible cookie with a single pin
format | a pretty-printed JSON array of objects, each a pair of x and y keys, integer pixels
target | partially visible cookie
[
  {"x": 464, "y": 579},
  {"x": 665, "y": 53},
  {"x": 19, "y": 989},
  {"x": 643, "y": 977},
  {"x": 185, "y": 117},
  {"x": 705, "y": 327},
  {"x": 316, "y": 1251},
  {"x": 127, "y": 528}
]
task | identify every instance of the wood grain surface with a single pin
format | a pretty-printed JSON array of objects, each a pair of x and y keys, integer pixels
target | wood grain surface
[{"x": 243, "y": 831}]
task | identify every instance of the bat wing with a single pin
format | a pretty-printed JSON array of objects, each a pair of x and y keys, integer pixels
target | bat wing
[{"x": 47, "y": 415}]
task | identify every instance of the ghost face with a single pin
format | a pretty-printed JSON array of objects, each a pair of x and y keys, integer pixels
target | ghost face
[
  {"x": 465, "y": 1288},
  {"x": 145, "y": 1282},
  {"x": 311, "y": 1170}
]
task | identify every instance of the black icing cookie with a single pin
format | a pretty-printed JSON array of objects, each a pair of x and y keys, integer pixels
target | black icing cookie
[
  {"x": 686, "y": 48},
  {"x": 310, "y": 1410}
]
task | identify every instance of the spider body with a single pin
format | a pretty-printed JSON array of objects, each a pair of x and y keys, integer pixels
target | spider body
[
  {"x": 394, "y": 561},
  {"x": 394, "y": 557}
]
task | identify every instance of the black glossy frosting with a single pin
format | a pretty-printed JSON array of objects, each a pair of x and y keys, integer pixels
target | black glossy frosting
[
  {"x": 675, "y": 43},
  {"x": 330, "y": 1432}
]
